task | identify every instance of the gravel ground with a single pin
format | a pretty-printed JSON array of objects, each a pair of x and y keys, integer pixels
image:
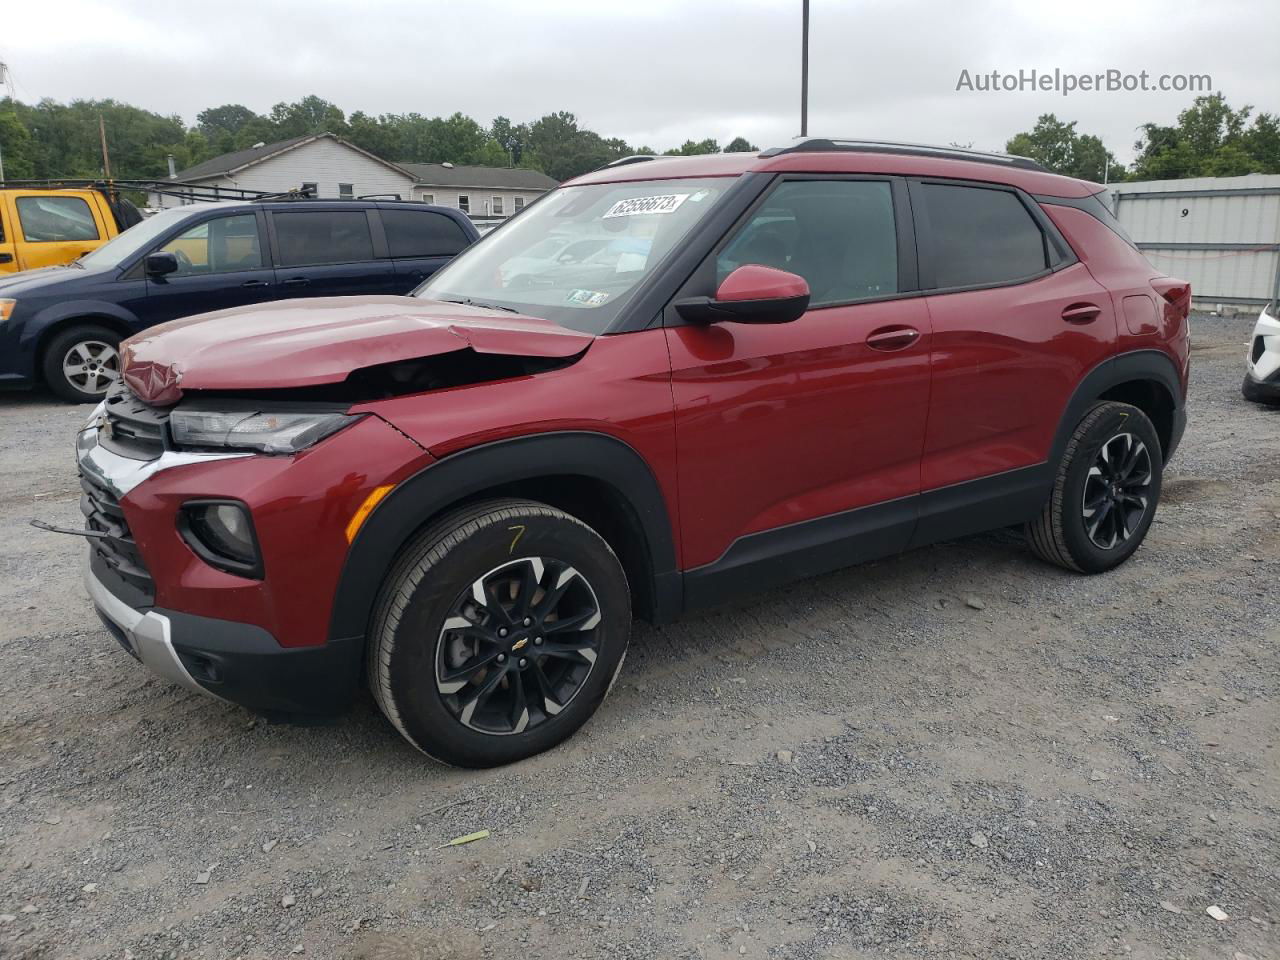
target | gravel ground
[{"x": 959, "y": 752}]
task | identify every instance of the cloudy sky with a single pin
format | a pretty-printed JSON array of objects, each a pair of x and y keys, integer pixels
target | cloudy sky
[{"x": 655, "y": 72}]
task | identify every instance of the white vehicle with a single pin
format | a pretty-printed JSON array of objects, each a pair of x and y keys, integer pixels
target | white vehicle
[{"x": 1262, "y": 370}]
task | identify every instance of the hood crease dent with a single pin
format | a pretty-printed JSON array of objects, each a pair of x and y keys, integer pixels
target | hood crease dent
[{"x": 306, "y": 343}]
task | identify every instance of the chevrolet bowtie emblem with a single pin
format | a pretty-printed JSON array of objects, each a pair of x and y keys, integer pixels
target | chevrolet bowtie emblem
[{"x": 519, "y": 643}]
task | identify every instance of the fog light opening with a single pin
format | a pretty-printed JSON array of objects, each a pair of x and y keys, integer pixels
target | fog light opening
[{"x": 220, "y": 532}]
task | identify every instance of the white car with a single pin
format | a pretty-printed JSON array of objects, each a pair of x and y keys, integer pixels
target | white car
[{"x": 1262, "y": 370}]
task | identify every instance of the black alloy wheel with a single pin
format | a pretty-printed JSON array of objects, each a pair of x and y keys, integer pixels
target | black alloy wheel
[
  {"x": 1116, "y": 491},
  {"x": 518, "y": 645}
]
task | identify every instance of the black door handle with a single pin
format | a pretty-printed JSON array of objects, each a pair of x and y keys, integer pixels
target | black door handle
[
  {"x": 296, "y": 282},
  {"x": 255, "y": 283},
  {"x": 6, "y": 258}
]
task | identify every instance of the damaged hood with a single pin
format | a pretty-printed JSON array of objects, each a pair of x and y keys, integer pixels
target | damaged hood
[{"x": 302, "y": 343}]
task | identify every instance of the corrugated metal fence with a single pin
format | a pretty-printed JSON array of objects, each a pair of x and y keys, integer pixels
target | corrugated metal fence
[{"x": 1220, "y": 233}]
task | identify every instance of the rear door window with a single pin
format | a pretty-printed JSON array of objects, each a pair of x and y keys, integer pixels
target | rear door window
[
  {"x": 311, "y": 237},
  {"x": 421, "y": 233},
  {"x": 840, "y": 235},
  {"x": 982, "y": 236},
  {"x": 56, "y": 219}
]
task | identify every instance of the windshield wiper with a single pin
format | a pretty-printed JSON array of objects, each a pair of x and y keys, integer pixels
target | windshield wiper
[{"x": 468, "y": 302}]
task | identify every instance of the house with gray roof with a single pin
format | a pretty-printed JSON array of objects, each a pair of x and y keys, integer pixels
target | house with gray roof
[
  {"x": 332, "y": 167},
  {"x": 480, "y": 191}
]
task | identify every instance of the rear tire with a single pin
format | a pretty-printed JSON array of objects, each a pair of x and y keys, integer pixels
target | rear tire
[
  {"x": 82, "y": 362},
  {"x": 1105, "y": 493},
  {"x": 498, "y": 633}
]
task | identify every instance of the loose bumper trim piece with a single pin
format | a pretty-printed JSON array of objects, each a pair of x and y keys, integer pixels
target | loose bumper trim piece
[{"x": 145, "y": 635}]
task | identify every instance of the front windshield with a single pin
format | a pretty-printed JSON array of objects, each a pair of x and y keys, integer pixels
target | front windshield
[
  {"x": 578, "y": 255},
  {"x": 121, "y": 247}
]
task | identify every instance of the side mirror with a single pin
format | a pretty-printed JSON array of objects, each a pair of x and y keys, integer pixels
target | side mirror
[
  {"x": 751, "y": 294},
  {"x": 158, "y": 264}
]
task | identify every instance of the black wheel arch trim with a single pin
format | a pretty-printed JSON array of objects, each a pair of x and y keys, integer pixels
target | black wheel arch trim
[
  {"x": 1137, "y": 365},
  {"x": 458, "y": 476}
]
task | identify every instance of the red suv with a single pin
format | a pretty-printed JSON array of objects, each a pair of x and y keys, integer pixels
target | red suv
[{"x": 668, "y": 383}]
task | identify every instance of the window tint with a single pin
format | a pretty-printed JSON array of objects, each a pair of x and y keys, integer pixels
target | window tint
[
  {"x": 837, "y": 234},
  {"x": 217, "y": 246},
  {"x": 54, "y": 219},
  {"x": 323, "y": 236},
  {"x": 1096, "y": 204},
  {"x": 982, "y": 236},
  {"x": 421, "y": 233}
]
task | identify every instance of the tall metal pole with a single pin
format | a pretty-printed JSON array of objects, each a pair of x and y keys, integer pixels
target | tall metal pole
[
  {"x": 804, "y": 70},
  {"x": 4, "y": 85},
  {"x": 106, "y": 160}
]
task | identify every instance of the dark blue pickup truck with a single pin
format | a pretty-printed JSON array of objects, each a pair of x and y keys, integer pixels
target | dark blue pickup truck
[{"x": 63, "y": 325}]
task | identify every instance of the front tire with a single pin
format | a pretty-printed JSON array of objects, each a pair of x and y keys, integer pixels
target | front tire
[
  {"x": 1255, "y": 393},
  {"x": 82, "y": 362},
  {"x": 1105, "y": 493},
  {"x": 498, "y": 633}
]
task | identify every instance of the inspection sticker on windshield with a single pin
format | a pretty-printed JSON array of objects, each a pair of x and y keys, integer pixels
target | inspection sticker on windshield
[
  {"x": 587, "y": 298},
  {"x": 667, "y": 203}
]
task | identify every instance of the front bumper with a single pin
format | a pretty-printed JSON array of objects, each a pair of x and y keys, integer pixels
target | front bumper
[
  {"x": 263, "y": 642},
  {"x": 146, "y": 635},
  {"x": 236, "y": 662},
  {"x": 1262, "y": 364}
]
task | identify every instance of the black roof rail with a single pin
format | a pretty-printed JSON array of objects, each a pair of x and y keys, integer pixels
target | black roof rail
[
  {"x": 168, "y": 188},
  {"x": 624, "y": 161},
  {"x": 827, "y": 144}
]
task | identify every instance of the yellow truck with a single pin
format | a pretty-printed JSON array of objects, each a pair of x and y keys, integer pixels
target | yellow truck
[{"x": 50, "y": 226}]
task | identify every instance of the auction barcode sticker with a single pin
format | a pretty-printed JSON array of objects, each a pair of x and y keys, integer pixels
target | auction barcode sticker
[{"x": 667, "y": 203}]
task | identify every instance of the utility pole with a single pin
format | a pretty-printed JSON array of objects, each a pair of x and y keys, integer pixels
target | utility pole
[
  {"x": 106, "y": 160},
  {"x": 804, "y": 69},
  {"x": 4, "y": 84}
]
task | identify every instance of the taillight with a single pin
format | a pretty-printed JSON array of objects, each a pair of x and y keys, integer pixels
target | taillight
[{"x": 1176, "y": 293}]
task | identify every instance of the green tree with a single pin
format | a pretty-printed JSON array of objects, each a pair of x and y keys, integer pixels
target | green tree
[
  {"x": 1055, "y": 144},
  {"x": 558, "y": 148},
  {"x": 229, "y": 118},
  {"x": 693, "y": 148},
  {"x": 510, "y": 137},
  {"x": 17, "y": 149},
  {"x": 379, "y": 135},
  {"x": 1209, "y": 139},
  {"x": 1263, "y": 141},
  {"x": 741, "y": 145},
  {"x": 311, "y": 114}
]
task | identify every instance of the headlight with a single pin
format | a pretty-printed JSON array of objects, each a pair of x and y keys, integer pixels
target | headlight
[
  {"x": 6, "y": 308},
  {"x": 268, "y": 431}
]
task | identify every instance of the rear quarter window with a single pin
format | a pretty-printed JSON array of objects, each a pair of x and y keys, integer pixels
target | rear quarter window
[
  {"x": 982, "y": 236},
  {"x": 422, "y": 233}
]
